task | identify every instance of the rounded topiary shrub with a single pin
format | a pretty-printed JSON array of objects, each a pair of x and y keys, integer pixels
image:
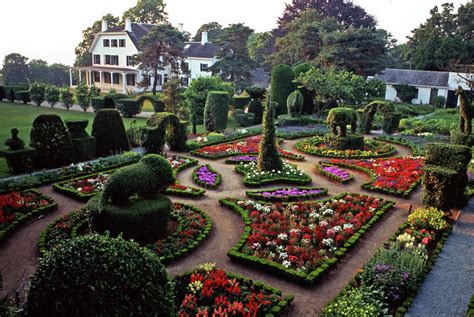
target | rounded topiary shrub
[
  {"x": 282, "y": 85},
  {"x": 51, "y": 141},
  {"x": 129, "y": 107},
  {"x": 216, "y": 110},
  {"x": 295, "y": 104},
  {"x": 110, "y": 100},
  {"x": 96, "y": 275},
  {"x": 109, "y": 132}
]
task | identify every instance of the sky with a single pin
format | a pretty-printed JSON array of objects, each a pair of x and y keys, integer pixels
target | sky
[{"x": 51, "y": 29}]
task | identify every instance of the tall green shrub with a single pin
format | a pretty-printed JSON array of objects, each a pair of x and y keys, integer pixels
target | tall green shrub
[
  {"x": 282, "y": 86},
  {"x": 216, "y": 110},
  {"x": 308, "y": 105},
  {"x": 295, "y": 104},
  {"x": 83, "y": 97},
  {"x": 37, "y": 92},
  {"x": 51, "y": 95},
  {"x": 268, "y": 156},
  {"x": 109, "y": 132},
  {"x": 67, "y": 98},
  {"x": 95, "y": 275}
]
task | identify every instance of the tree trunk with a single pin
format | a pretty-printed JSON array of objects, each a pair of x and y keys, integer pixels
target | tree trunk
[
  {"x": 194, "y": 125},
  {"x": 155, "y": 80}
]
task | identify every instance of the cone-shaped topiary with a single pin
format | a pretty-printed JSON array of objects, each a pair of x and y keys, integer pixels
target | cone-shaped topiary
[
  {"x": 268, "y": 156},
  {"x": 95, "y": 275},
  {"x": 109, "y": 132}
]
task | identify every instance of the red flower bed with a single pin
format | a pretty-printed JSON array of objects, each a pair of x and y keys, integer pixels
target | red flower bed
[
  {"x": 396, "y": 175},
  {"x": 15, "y": 203},
  {"x": 241, "y": 147}
]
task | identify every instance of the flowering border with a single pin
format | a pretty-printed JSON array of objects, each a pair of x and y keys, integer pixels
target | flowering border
[
  {"x": 75, "y": 194},
  {"x": 204, "y": 184},
  {"x": 291, "y": 274},
  {"x": 194, "y": 145},
  {"x": 231, "y": 162},
  {"x": 83, "y": 216},
  {"x": 258, "y": 194},
  {"x": 21, "y": 218},
  {"x": 275, "y": 311},
  {"x": 320, "y": 170},
  {"x": 415, "y": 149},
  {"x": 317, "y": 152},
  {"x": 243, "y": 170}
]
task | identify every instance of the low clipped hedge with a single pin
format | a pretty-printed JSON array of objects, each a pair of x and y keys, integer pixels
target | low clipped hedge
[
  {"x": 291, "y": 274},
  {"x": 110, "y": 100},
  {"x": 286, "y": 120},
  {"x": 23, "y": 96},
  {"x": 96, "y": 268},
  {"x": 129, "y": 107},
  {"x": 97, "y": 103}
]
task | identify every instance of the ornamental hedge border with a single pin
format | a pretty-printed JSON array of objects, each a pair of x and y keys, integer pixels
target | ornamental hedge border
[
  {"x": 82, "y": 219},
  {"x": 194, "y": 145},
  {"x": 291, "y": 274},
  {"x": 368, "y": 142},
  {"x": 204, "y": 184},
  {"x": 22, "y": 218},
  {"x": 403, "y": 308},
  {"x": 276, "y": 310},
  {"x": 258, "y": 194},
  {"x": 333, "y": 177},
  {"x": 416, "y": 150},
  {"x": 373, "y": 178},
  {"x": 302, "y": 180},
  {"x": 182, "y": 193}
]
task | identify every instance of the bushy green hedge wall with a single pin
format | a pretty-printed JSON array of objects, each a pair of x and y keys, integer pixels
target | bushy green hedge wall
[
  {"x": 129, "y": 107},
  {"x": 216, "y": 110}
]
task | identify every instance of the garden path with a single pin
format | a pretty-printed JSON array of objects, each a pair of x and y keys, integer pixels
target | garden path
[
  {"x": 18, "y": 254},
  {"x": 449, "y": 286}
]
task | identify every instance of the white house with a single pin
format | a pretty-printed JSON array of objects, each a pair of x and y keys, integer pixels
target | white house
[
  {"x": 429, "y": 84},
  {"x": 112, "y": 59}
]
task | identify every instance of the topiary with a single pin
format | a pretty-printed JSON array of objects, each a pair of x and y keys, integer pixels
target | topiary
[
  {"x": 83, "y": 144},
  {"x": 244, "y": 119},
  {"x": 129, "y": 107},
  {"x": 308, "y": 105},
  {"x": 15, "y": 143},
  {"x": 216, "y": 110},
  {"x": 391, "y": 121},
  {"x": 157, "y": 103},
  {"x": 457, "y": 137},
  {"x": 282, "y": 84},
  {"x": 109, "y": 132},
  {"x": 37, "y": 91},
  {"x": 95, "y": 275},
  {"x": 3, "y": 94},
  {"x": 340, "y": 118},
  {"x": 268, "y": 156},
  {"x": 164, "y": 127},
  {"x": 67, "y": 98},
  {"x": 51, "y": 95},
  {"x": 295, "y": 103},
  {"x": 23, "y": 96},
  {"x": 439, "y": 102},
  {"x": 110, "y": 100},
  {"x": 240, "y": 102},
  {"x": 97, "y": 103},
  {"x": 256, "y": 108},
  {"x": 52, "y": 142}
]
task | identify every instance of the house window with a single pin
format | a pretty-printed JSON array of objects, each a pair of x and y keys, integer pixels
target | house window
[
  {"x": 130, "y": 80},
  {"x": 107, "y": 78},
  {"x": 107, "y": 59},
  {"x": 114, "y": 60},
  {"x": 96, "y": 77},
  {"x": 184, "y": 81},
  {"x": 159, "y": 81},
  {"x": 106, "y": 43},
  {"x": 122, "y": 43},
  {"x": 97, "y": 59},
  {"x": 130, "y": 61},
  {"x": 204, "y": 67},
  {"x": 114, "y": 43},
  {"x": 116, "y": 78},
  {"x": 166, "y": 78}
]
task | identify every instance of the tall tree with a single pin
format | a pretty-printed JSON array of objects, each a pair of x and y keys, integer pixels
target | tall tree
[
  {"x": 259, "y": 46},
  {"x": 162, "y": 47},
  {"x": 234, "y": 63},
  {"x": 83, "y": 57},
  {"x": 40, "y": 71},
  {"x": 444, "y": 39},
  {"x": 15, "y": 69},
  {"x": 147, "y": 11},
  {"x": 60, "y": 74},
  {"x": 345, "y": 12},
  {"x": 213, "y": 29}
]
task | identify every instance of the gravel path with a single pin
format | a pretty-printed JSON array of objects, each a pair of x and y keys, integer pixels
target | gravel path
[{"x": 449, "y": 286}]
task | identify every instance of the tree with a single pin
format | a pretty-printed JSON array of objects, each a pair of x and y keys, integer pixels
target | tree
[
  {"x": 397, "y": 57},
  {"x": 60, "y": 74},
  {"x": 147, "y": 11},
  {"x": 162, "y": 47},
  {"x": 213, "y": 29},
  {"x": 83, "y": 96},
  {"x": 444, "y": 39},
  {"x": 51, "y": 95},
  {"x": 40, "y": 71},
  {"x": 15, "y": 69},
  {"x": 196, "y": 95},
  {"x": 37, "y": 93},
  {"x": 172, "y": 97},
  {"x": 346, "y": 13},
  {"x": 268, "y": 157},
  {"x": 234, "y": 63},
  {"x": 67, "y": 98},
  {"x": 83, "y": 57},
  {"x": 259, "y": 45}
]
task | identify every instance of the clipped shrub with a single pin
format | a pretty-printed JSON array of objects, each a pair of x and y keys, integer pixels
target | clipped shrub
[
  {"x": 51, "y": 94},
  {"x": 97, "y": 103},
  {"x": 109, "y": 132},
  {"x": 285, "y": 120},
  {"x": 156, "y": 102},
  {"x": 282, "y": 86},
  {"x": 256, "y": 108},
  {"x": 452, "y": 156},
  {"x": 19, "y": 159},
  {"x": 110, "y": 100},
  {"x": 37, "y": 93},
  {"x": 67, "y": 98},
  {"x": 348, "y": 142},
  {"x": 340, "y": 118},
  {"x": 268, "y": 156},
  {"x": 111, "y": 276},
  {"x": 244, "y": 119},
  {"x": 23, "y": 96},
  {"x": 165, "y": 127},
  {"x": 295, "y": 104},
  {"x": 308, "y": 105},
  {"x": 84, "y": 145},
  {"x": 240, "y": 102},
  {"x": 10, "y": 91},
  {"x": 51, "y": 141},
  {"x": 439, "y": 102},
  {"x": 391, "y": 121},
  {"x": 15, "y": 143},
  {"x": 3, "y": 94},
  {"x": 216, "y": 110},
  {"x": 83, "y": 97},
  {"x": 77, "y": 128},
  {"x": 457, "y": 137},
  {"x": 129, "y": 107}
]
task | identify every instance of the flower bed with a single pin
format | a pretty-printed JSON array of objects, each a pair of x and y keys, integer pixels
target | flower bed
[
  {"x": 302, "y": 240},
  {"x": 287, "y": 194},
  {"x": 396, "y": 176},
  {"x": 208, "y": 291},
  {"x": 295, "y": 132},
  {"x": 17, "y": 207},
  {"x": 389, "y": 282},
  {"x": 241, "y": 159},
  {"x": 416, "y": 143},
  {"x": 246, "y": 146},
  {"x": 193, "y": 227},
  {"x": 206, "y": 176},
  {"x": 289, "y": 175},
  {"x": 317, "y": 146},
  {"x": 334, "y": 173},
  {"x": 225, "y": 137}
]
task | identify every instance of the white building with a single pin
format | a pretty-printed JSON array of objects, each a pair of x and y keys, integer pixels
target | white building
[
  {"x": 112, "y": 59},
  {"x": 428, "y": 83}
]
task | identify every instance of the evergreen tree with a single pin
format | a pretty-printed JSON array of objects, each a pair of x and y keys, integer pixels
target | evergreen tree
[{"x": 268, "y": 156}]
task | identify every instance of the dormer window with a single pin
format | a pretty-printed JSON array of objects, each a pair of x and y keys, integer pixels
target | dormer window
[
  {"x": 114, "y": 43},
  {"x": 106, "y": 43},
  {"x": 122, "y": 43}
]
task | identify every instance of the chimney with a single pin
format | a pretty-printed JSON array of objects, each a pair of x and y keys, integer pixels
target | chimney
[
  {"x": 204, "y": 38},
  {"x": 104, "y": 25},
  {"x": 181, "y": 27},
  {"x": 128, "y": 25}
]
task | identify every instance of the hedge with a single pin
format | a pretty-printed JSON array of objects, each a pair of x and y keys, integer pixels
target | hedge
[
  {"x": 282, "y": 86},
  {"x": 240, "y": 102},
  {"x": 129, "y": 107},
  {"x": 295, "y": 104},
  {"x": 157, "y": 103},
  {"x": 109, "y": 131},
  {"x": 216, "y": 110}
]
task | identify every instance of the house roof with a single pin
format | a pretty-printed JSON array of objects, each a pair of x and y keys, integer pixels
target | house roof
[
  {"x": 139, "y": 30},
  {"x": 414, "y": 77},
  {"x": 196, "y": 49}
]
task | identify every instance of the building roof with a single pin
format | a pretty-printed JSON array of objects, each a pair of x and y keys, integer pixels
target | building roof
[
  {"x": 139, "y": 30},
  {"x": 414, "y": 77},
  {"x": 196, "y": 49}
]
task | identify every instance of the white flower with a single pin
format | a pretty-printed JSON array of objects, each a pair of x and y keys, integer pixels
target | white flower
[
  {"x": 283, "y": 255},
  {"x": 286, "y": 263},
  {"x": 311, "y": 226},
  {"x": 323, "y": 223},
  {"x": 283, "y": 236},
  {"x": 348, "y": 226},
  {"x": 256, "y": 246},
  {"x": 336, "y": 228},
  {"x": 328, "y": 212},
  {"x": 199, "y": 139},
  {"x": 328, "y": 242}
]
